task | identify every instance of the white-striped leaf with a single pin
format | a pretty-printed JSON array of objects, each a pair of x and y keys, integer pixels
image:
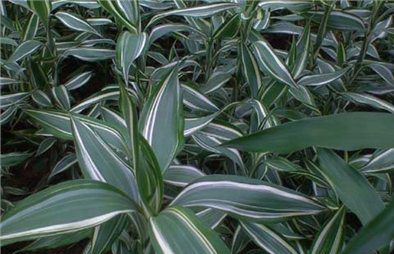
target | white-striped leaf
[
  {"x": 66, "y": 207},
  {"x": 267, "y": 238},
  {"x": 246, "y": 198},
  {"x": 90, "y": 54},
  {"x": 177, "y": 229},
  {"x": 280, "y": 4},
  {"x": 162, "y": 121},
  {"x": 25, "y": 49},
  {"x": 61, "y": 96},
  {"x": 383, "y": 72},
  {"x": 192, "y": 125},
  {"x": 7, "y": 100},
  {"x": 41, "y": 98},
  {"x": 128, "y": 48},
  {"x": 250, "y": 70},
  {"x": 42, "y": 9},
  {"x": 330, "y": 237},
  {"x": 202, "y": 11},
  {"x": 65, "y": 163},
  {"x": 369, "y": 100},
  {"x": 321, "y": 78},
  {"x": 78, "y": 81},
  {"x": 195, "y": 100},
  {"x": 338, "y": 20},
  {"x": 181, "y": 175},
  {"x": 75, "y": 23},
  {"x": 59, "y": 125},
  {"x": 380, "y": 162},
  {"x": 271, "y": 63},
  {"x": 99, "y": 162},
  {"x": 216, "y": 81},
  {"x": 118, "y": 12},
  {"x": 211, "y": 217}
]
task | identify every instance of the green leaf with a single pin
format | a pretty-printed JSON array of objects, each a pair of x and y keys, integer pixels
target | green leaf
[
  {"x": 55, "y": 241},
  {"x": 42, "y": 9},
  {"x": 374, "y": 235},
  {"x": 246, "y": 198},
  {"x": 340, "y": 131},
  {"x": 321, "y": 79},
  {"x": 25, "y": 49},
  {"x": 339, "y": 20},
  {"x": 162, "y": 121},
  {"x": 90, "y": 54},
  {"x": 181, "y": 175},
  {"x": 59, "y": 125},
  {"x": 380, "y": 162},
  {"x": 330, "y": 237},
  {"x": 250, "y": 70},
  {"x": 202, "y": 11},
  {"x": 13, "y": 159},
  {"x": 99, "y": 162},
  {"x": 66, "y": 207},
  {"x": 267, "y": 239},
  {"x": 177, "y": 229},
  {"x": 75, "y": 23},
  {"x": 115, "y": 8},
  {"x": 106, "y": 234},
  {"x": 369, "y": 100},
  {"x": 271, "y": 63},
  {"x": 351, "y": 187},
  {"x": 128, "y": 48}
]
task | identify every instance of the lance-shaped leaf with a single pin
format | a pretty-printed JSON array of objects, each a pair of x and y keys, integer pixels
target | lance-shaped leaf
[
  {"x": 351, "y": 187},
  {"x": 42, "y": 9},
  {"x": 75, "y": 23},
  {"x": 181, "y": 175},
  {"x": 321, "y": 79},
  {"x": 380, "y": 162},
  {"x": 177, "y": 229},
  {"x": 338, "y": 20},
  {"x": 25, "y": 49},
  {"x": 7, "y": 100},
  {"x": 340, "y": 131},
  {"x": 271, "y": 63},
  {"x": 99, "y": 162},
  {"x": 246, "y": 198},
  {"x": 59, "y": 125},
  {"x": 267, "y": 238},
  {"x": 128, "y": 48},
  {"x": 31, "y": 28},
  {"x": 195, "y": 100},
  {"x": 90, "y": 54},
  {"x": 105, "y": 234},
  {"x": 330, "y": 237},
  {"x": 376, "y": 234},
  {"x": 78, "y": 81},
  {"x": 66, "y": 207},
  {"x": 202, "y": 11},
  {"x": 116, "y": 8},
  {"x": 302, "y": 51},
  {"x": 55, "y": 241},
  {"x": 194, "y": 124},
  {"x": 369, "y": 100},
  {"x": 250, "y": 70},
  {"x": 162, "y": 120}
]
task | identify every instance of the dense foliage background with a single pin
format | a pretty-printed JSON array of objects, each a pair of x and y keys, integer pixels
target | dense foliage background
[{"x": 174, "y": 126}]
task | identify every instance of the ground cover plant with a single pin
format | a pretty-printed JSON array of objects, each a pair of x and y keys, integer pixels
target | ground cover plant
[{"x": 174, "y": 126}]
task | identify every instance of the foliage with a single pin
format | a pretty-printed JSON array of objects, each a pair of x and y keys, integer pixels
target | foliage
[{"x": 174, "y": 126}]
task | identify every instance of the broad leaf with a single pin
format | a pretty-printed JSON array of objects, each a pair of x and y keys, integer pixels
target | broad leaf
[
  {"x": 177, "y": 229},
  {"x": 340, "y": 131}
]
